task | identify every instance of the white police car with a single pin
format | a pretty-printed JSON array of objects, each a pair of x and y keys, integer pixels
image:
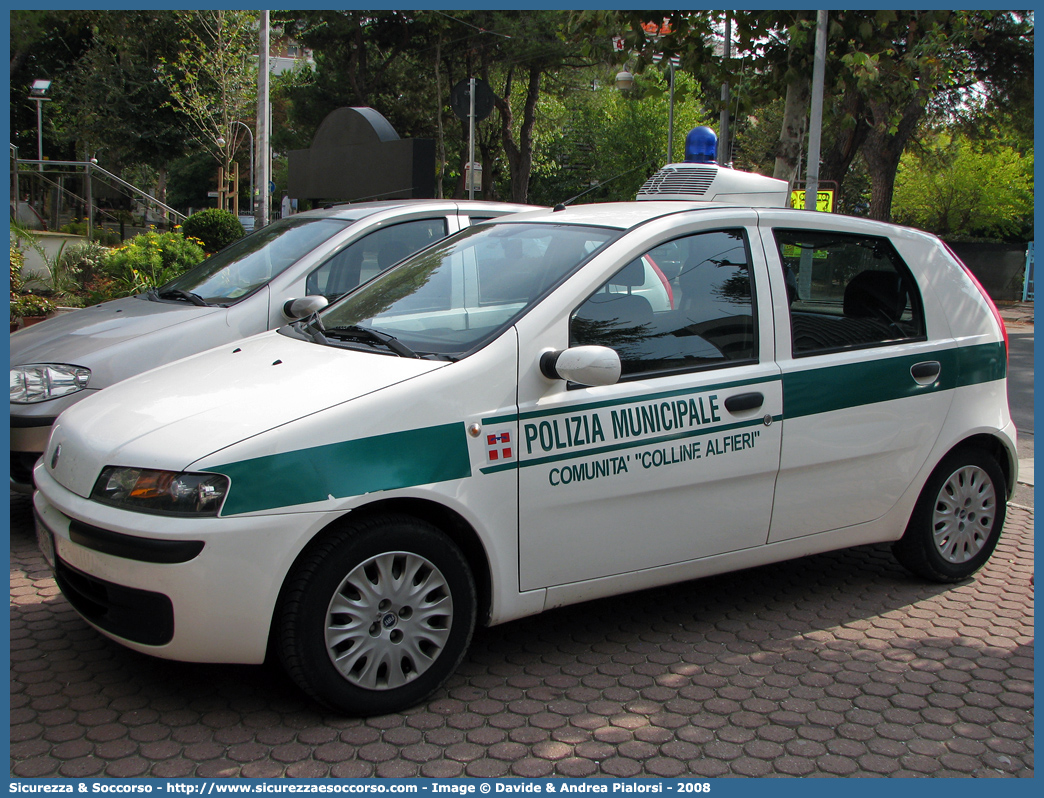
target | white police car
[{"x": 513, "y": 420}]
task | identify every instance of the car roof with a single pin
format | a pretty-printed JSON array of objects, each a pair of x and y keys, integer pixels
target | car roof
[
  {"x": 628, "y": 215},
  {"x": 358, "y": 210}
]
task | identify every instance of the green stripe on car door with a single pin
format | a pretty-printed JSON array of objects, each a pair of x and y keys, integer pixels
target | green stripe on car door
[
  {"x": 821, "y": 390},
  {"x": 348, "y": 468}
]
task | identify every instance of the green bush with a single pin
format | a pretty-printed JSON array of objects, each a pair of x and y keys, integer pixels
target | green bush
[
  {"x": 214, "y": 227},
  {"x": 23, "y": 305},
  {"x": 146, "y": 261},
  {"x": 107, "y": 238},
  {"x": 17, "y": 262},
  {"x": 73, "y": 266}
]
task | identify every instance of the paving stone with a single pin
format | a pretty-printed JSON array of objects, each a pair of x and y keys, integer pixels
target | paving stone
[{"x": 839, "y": 664}]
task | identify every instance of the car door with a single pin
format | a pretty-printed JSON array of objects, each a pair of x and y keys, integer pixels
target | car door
[
  {"x": 677, "y": 460},
  {"x": 863, "y": 386}
]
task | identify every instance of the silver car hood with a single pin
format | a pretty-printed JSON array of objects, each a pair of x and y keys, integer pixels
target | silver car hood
[
  {"x": 118, "y": 339},
  {"x": 81, "y": 337}
]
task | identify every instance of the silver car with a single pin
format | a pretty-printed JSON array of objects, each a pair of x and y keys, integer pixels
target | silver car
[{"x": 282, "y": 272}]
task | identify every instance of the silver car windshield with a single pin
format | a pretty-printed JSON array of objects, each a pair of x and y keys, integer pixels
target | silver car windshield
[
  {"x": 246, "y": 265},
  {"x": 457, "y": 295}
]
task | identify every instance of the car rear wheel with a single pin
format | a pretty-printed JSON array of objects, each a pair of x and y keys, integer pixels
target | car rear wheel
[
  {"x": 376, "y": 615},
  {"x": 958, "y": 518}
]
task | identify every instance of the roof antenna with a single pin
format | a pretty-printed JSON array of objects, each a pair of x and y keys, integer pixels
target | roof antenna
[{"x": 562, "y": 205}]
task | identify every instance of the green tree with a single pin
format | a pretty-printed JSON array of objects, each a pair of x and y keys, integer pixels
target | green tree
[
  {"x": 374, "y": 58},
  {"x": 213, "y": 78},
  {"x": 953, "y": 187},
  {"x": 115, "y": 105},
  {"x": 45, "y": 45},
  {"x": 597, "y": 143},
  {"x": 888, "y": 73}
]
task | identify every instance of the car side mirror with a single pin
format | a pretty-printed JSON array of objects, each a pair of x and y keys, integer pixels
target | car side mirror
[
  {"x": 584, "y": 365},
  {"x": 304, "y": 306}
]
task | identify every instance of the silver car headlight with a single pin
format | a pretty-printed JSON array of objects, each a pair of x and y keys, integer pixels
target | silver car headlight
[
  {"x": 39, "y": 382},
  {"x": 145, "y": 490}
]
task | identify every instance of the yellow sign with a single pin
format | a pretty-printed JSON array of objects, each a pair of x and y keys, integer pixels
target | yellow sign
[{"x": 824, "y": 200}]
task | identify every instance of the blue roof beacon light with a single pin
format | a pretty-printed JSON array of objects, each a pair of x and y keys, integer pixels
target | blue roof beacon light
[
  {"x": 701, "y": 145},
  {"x": 701, "y": 179}
]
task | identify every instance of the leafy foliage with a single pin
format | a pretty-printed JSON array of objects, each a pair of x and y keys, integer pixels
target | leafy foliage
[
  {"x": 103, "y": 236},
  {"x": 29, "y": 304},
  {"x": 212, "y": 79},
  {"x": 956, "y": 189},
  {"x": 146, "y": 261},
  {"x": 125, "y": 80},
  {"x": 23, "y": 302},
  {"x": 601, "y": 144},
  {"x": 214, "y": 228}
]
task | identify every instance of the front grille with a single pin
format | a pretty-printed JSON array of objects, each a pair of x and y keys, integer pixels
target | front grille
[{"x": 140, "y": 616}]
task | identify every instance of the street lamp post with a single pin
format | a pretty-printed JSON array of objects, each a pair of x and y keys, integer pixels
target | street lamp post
[
  {"x": 625, "y": 80},
  {"x": 251, "y": 134},
  {"x": 221, "y": 143},
  {"x": 37, "y": 94}
]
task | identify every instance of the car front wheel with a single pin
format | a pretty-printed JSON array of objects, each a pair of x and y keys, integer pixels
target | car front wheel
[
  {"x": 376, "y": 615},
  {"x": 957, "y": 520}
]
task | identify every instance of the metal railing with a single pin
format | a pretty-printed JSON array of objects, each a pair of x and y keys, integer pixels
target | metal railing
[{"x": 58, "y": 192}]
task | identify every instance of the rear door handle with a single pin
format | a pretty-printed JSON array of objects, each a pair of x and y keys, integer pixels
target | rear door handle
[
  {"x": 744, "y": 401},
  {"x": 927, "y": 372}
]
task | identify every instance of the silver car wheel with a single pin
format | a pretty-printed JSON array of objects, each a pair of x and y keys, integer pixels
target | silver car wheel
[
  {"x": 964, "y": 514},
  {"x": 389, "y": 620}
]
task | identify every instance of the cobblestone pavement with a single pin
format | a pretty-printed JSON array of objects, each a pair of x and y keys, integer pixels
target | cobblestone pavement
[{"x": 837, "y": 664}]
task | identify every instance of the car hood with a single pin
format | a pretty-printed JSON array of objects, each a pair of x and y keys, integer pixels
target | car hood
[
  {"x": 172, "y": 416},
  {"x": 85, "y": 337}
]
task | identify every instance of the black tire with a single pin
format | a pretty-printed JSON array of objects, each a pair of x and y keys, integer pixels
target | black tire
[
  {"x": 957, "y": 520},
  {"x": 398, "y": 599}
]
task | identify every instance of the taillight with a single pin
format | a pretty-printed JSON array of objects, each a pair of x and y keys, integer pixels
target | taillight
[{"x": 986, "y": 296}]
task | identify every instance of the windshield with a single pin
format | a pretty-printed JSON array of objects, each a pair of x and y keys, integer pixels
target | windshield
[
  {"x": 251, "y": 262},
  {"x": 459, "y": 294}
]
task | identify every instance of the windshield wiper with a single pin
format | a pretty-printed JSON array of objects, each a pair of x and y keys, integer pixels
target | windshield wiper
[
  {"x": 187, "y": 296},
  {"x": 354, "y": 332},
  {"x": 312, "y": 326}
]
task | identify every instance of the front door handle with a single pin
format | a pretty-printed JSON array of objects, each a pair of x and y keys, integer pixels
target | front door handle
[
  {"x": 927, "y": 372},
  {"x": 744, "y": 401}
]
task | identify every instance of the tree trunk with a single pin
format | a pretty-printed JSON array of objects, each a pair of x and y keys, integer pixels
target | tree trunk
[
  {"x": 791, "y": 136},
  {"x": 520, "y": 154},
  {"x": 795, "y": 114},
  {"x": 440, "y": 134},
  {"x": 838, "y": 158},
  {"x": 882, "y": 152}
]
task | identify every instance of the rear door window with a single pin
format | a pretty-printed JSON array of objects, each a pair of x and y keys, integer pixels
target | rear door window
[{"x": 847, "y": 291}]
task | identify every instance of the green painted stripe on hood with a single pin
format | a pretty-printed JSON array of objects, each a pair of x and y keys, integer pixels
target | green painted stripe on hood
[
  {"x": 348, "y": 468},
  {"x": 822, "y": 390}
]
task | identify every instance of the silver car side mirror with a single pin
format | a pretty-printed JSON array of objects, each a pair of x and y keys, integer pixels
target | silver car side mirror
[
  {"x": 304, "y": 306},
  {"x": 584, "y": 365}
]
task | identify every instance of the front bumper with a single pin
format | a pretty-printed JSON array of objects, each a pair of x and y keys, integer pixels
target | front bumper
[
  {"x": 28, "y": 440},
  {"x": 215, "y": 606}
]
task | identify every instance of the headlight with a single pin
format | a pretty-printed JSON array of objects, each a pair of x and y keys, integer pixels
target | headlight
[
  {"x": 42, "y": 381},
  {"x": 160, "y": 492}
]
